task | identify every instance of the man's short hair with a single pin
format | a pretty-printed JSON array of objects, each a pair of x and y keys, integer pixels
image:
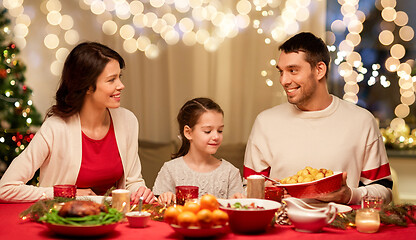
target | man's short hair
[{"x": 314, "y": 47}]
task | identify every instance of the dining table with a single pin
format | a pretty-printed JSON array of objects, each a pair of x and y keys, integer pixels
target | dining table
[{"x": 14, "y": 227}]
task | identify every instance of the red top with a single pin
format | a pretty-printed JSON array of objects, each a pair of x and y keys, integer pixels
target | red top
[{"x": 101, "y": 165}]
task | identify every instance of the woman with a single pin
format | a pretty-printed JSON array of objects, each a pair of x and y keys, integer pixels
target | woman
[{"x": 87, "y": 139}]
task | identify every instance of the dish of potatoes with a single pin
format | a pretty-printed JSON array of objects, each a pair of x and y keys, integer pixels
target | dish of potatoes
[{"x": 308, "y": 174}]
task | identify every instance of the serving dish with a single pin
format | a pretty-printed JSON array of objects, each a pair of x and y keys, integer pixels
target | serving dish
[
  {"x": 314, "y": 188},
  {"x": 341, "y": 208},
  {"x": 250, "y": 221},
  {"x": 97, "y": 199},
  {"x": 198, "y": 232},
  {"x": 307, "y": 218},
  {"x": 81, "y": 231}
]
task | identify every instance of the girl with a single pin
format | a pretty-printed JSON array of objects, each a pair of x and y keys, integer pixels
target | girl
[
  {"x": 87, "y": 139},
  {"x": 200, "y": 125}
]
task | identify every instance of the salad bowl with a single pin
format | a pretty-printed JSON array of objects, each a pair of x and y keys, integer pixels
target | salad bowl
[{"x": 249, "y": 215}]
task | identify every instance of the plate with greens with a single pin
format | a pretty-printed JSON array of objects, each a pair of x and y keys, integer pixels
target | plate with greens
[{"x": 82, "y": 218}]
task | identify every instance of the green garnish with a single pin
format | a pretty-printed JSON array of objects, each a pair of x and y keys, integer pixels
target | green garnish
[{"x": 103, "y": 218}]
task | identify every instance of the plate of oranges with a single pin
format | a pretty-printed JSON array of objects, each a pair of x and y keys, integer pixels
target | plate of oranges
[{"x": 198, "y": 219}]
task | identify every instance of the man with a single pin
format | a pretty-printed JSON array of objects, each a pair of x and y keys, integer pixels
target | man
[{"x": 318, "y": 129}]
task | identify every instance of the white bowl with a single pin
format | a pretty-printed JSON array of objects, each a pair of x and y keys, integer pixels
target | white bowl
[{"x": 138, "y": 219}]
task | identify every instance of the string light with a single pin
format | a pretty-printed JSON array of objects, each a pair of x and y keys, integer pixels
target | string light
[
  {"x": 279, "y": 27},
  {"x": 63, "y": 33},
  {"x": 22, "y": 22},
  {"x": 397, "y": 53},
  {"x": 351, "y": 68},
  {"x": 193, "y": 22},
  {"x": 349, "y": 62}
]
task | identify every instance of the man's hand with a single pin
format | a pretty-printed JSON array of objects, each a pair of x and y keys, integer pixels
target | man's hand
[
  {"x": 147, "y": 194},
  {"x": 341, "y": 195}
]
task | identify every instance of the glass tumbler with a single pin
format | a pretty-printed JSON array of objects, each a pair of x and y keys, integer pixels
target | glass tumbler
[
  {"x": 184, "y": 193},
  {"x": 65, "y": 191}
]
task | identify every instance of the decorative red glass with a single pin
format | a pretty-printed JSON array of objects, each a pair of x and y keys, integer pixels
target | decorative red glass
[
  {"x": 65, "y": 191},
  {"x": 184, "y": 193},
  {"x": 273, "y": 193}
]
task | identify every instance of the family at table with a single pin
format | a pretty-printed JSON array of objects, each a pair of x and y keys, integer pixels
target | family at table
[{"x": 87, "y": 139}]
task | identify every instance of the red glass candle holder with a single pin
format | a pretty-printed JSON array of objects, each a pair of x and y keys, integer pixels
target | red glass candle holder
[
  {"x": 184, "y": 193},
  {"x": 273, "y": 193},
  {"x": 65, "y": 191}
]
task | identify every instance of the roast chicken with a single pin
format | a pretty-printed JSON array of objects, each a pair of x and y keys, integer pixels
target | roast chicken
[{"x": 80, "y": 208}]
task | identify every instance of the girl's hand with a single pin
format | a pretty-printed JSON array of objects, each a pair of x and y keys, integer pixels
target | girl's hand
[
  {"x": 85, "y": 192},
  {"x": 238, "y": 195},
  {"x": 147, "y": 194},
  {"x": 167, "y": 198}
]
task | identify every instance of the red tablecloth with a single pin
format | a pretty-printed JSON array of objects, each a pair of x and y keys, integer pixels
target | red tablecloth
[{"x": 12, "y": 227}]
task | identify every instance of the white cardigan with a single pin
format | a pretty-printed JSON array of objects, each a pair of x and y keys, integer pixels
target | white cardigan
[{"x": 57, "y": 150}]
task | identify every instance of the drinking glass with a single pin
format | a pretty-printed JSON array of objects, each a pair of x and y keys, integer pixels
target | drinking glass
[
  {"x": 372, "y": 202},
  {"x": 273, "y": 193},
  {"x": 184, "y": 193},
  {"x": 255, "y": 186},
  {"x": 65, "y": 191},
  {"x": 121, "y": 200}
]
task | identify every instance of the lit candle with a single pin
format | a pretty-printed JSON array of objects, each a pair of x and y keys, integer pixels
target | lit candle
[
  {"x": 367, "y": 220},
  {"x": 255, "y": 186},
  {"x": 121, "y": 200}
]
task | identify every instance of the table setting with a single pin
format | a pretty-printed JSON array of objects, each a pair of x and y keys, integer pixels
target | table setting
[{"x": 262, "y": 215}]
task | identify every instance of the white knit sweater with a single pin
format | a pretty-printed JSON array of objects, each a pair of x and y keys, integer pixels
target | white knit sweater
[
  {"x": 223, "y": 182},
  {"x": 342, "y": 137}
]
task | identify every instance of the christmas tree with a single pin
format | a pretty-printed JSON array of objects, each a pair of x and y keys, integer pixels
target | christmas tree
[{"x": 17, "y": 114}]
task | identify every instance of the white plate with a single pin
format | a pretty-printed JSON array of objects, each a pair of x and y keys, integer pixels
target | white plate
[
  {"x": 81, "y": 231},
  {"x": 97, "y": 199},
  {"x": 315, "y": 203}
]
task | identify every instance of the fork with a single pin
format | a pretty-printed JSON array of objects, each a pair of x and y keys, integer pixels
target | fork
[{"x": 271, "y": 179}]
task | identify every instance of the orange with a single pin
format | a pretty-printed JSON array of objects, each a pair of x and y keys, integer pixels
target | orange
[
  {"x": 219, "y": 217},
  {"x": 186, "y": 219},
  {"x": 209, "y": 202},
  {"x": 179, "y": 207},
  {"x": 192, "y": 207},
  {"x": 171, "y": 213},
  {"x": 204, "y": 218}
]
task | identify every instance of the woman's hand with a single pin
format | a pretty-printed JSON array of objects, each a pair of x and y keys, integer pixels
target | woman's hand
[
  {"x": 85, "y": 192},
  {"x": 167, "y": 198},
  {"x": 147, "y": 194}
]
